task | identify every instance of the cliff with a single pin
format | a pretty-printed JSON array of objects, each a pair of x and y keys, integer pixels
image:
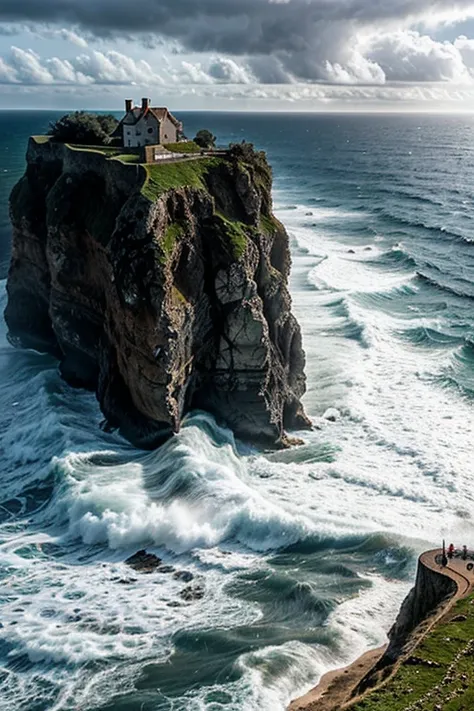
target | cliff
[
  {"x": 161, "y": 287},
  {"x": 432, "y": 588},
  {"x": 421, "y": 647}
]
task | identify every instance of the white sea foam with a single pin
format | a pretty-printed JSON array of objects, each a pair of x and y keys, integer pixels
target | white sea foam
[{"x": 88, "y": 625}]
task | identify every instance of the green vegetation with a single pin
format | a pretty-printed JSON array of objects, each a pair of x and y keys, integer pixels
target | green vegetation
[
  {"x": 41, "y": 139},
  {"x": 166, "y": 176},
  {"x": 439, "y": 675},
  {"x": 232, "y": 234},
  {"x": 173, "y": 232},
  {"x": 268, "y": 224},
  {"x": 183, "y": 147},
  {"x": 84, "y": 128},
  {"x": 254, "y": 161},
  {"x": 205, "y": 139},
  {"x": 178, "y": 296},
  {"x": 129, "y": 158},
  {"x": 106, "y": 151}
]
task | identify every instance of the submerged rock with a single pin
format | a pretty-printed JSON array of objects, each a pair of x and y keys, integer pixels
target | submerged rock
[
  {"x": 192, "y": 592},
  {"x": 184, "y": 575},
  {"x": 165, "y": 569},
  {"x": 163, "y": 288},
  {"x": 332, "y": 415},
  {"x": 143, "y": 562}
]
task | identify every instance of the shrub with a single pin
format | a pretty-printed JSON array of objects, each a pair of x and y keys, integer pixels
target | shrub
[
  {"x": 246, "y": 152},
  {"x": 205, "y": 139},
  {"x": 84, "y": 128}
]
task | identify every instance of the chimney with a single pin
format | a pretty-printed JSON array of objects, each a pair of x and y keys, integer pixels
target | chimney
[
  {"x": 145, "y": 104},
  {"x": 128, "y": 105}
]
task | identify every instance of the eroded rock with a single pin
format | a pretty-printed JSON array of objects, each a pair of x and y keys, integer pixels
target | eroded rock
[
  {"x": 160, "y": 300},
  {"x": 143, "y": 562},
  {"x": 192, "y": 593}
]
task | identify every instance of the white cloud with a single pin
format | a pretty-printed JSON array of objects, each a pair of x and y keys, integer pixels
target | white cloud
[
  {"x": 64, "y": 34},
  {"x": 27, "y": 67},
  {"x": 357, "y": 70},
  {"x": 7, "y": 73},
  {"x": 227, "y": 71},
  {"x": 191, "y": 72},
  {"x": 465, "y": 48},
  {"x": 362, "y": 59},
  {"x": 410, "y": 56},
  {"x": 116, "y": 68}
]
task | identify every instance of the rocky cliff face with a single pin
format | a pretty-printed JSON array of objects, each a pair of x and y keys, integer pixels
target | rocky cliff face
[
  {"x": 163, "y": 288},
  {"x": 431, "y": 589}
]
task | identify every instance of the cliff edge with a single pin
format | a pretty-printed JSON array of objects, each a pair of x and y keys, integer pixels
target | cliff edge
[
  {"x": 161, "y": 287},
  {"x": 400, "y": 676}
]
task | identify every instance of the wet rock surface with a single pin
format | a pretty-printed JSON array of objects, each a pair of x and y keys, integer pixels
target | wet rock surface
[
  {"x": 192, "y": 593},
  {"x": 144, "y": 562}
]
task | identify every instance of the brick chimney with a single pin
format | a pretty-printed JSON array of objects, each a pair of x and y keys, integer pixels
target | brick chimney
[
  {"x": 145, "y": 104},
  {"x": 128, "y": 105}
]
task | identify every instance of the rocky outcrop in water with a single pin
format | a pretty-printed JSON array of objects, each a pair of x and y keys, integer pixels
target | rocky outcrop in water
[{"x": 163, "y": 288}]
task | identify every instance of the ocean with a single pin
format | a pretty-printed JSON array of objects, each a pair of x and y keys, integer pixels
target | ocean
[{"x": 304, "y": 555}]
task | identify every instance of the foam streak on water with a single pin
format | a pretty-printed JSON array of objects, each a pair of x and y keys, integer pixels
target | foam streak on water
[{"x": 304, "y": 555}]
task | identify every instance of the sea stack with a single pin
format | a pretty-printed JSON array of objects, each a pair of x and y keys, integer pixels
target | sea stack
[{"x": 161, "y": 287}]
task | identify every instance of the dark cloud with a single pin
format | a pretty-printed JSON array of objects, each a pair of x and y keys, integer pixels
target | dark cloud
[{"x": 307, "y": 39}]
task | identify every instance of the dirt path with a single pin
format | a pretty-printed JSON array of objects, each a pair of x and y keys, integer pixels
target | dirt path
[{"x": 336, "y": 688}]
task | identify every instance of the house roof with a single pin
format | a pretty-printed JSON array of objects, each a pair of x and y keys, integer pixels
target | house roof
[{"x": 160, "y": 113}]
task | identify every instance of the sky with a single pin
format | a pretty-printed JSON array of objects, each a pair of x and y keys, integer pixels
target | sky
[{"x": 288, "y": 55}]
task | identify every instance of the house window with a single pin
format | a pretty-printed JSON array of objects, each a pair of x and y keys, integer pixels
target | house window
[
  {"x": 138, "y": 133},
  {"x": 128, "y": 133},
  {"x": 150, "y": 130}
]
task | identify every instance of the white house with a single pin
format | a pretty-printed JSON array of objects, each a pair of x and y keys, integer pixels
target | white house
[{"x": 147, "y": 125}]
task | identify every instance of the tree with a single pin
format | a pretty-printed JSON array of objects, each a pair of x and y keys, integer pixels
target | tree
[
  {"x": 205, "y": 139},
  {"x": 83, "y": 128}
]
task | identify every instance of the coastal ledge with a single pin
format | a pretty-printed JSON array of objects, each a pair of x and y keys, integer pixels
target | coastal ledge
[
  {"x": 394, "y": 676},
  {"x": 162, "y": 287}
]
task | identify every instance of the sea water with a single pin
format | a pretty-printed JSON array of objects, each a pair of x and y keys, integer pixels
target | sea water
[{"x": 304, "y": 555}]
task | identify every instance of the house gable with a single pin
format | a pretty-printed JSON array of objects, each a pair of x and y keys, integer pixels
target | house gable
[{"x": 147, "y": 125}]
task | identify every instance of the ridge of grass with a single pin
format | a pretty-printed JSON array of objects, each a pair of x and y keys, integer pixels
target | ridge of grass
[
  {"x": 128, "y": 158},
  {"x": 41, "y": 139},
  {"x": 181, "y": 174},
  {"x": 438, "y": 675},
  {"x": 183, "y": 147},
  {"x": 104, "y": 150}
]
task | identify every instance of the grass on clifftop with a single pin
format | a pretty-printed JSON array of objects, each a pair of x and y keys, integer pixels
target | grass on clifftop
[
  {"x": 168, "y": 176},
  {"x": 41, "y": 139},
  {"x": 128, "y": 157},
  {"x": 439, "y": 674},
  {"x": 183, "y": 147}
]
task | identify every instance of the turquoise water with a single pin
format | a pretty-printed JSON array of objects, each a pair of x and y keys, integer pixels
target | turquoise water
[{"x": 304, "y": 555}]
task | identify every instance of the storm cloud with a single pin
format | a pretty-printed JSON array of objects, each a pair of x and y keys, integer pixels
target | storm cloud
[
  {"x": 311, "y": 40},
  {"x": 340, "y": 42}
]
